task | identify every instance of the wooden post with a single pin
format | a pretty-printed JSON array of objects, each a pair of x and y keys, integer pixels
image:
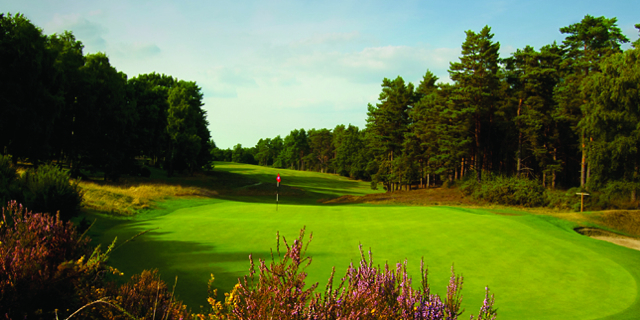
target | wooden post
[{"x": 582, "y": 194}]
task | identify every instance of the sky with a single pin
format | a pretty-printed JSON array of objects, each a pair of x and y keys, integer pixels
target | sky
[{"x": 269, "y": 67}]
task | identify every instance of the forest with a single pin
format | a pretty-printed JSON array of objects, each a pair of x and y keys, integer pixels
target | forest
[
  {"x": 60, "y": 105},
  {"x": 565, "y": 115}
]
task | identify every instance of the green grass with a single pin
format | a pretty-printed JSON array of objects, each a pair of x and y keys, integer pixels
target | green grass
[
  {"x": 315, "y": 185},
  {"x": 536, "y": 265}
]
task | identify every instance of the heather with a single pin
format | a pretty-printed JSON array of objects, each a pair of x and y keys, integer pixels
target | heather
[
  {"x": 44, "y": 263},
  {"x": 278, "y": 290},
  {"x": 48, "y": 270}
]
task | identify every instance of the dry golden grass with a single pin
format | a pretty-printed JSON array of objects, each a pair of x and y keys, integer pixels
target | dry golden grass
[
  {"x": 623, "y": 221},
  {"x": 419, "y": 197},
  {"x": 627, "y": 221},
  {"x": 128, "y": 198}
]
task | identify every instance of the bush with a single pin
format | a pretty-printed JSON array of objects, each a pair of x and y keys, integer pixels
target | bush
[
  {"x": 45, "y": 265},
  {"x": 47, "y": 189},
  {"x": 507, "y": 191},
  {"x": 564, "y": 199},
  {"x": 145, "y": 172},
  {"x": 366, "y": 292},
  {"x": 8, "y": 180},
  {"x": 42, "y": 265},
  {"x": 145, "y": 296}
]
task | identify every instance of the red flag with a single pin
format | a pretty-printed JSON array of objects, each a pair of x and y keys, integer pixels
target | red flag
[{"x": 278, "y": 178}]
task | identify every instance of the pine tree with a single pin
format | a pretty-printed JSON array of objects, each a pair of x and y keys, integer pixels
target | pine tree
[
  {"x": 587, "y": 43},
  {"x": 476, "y": 84},
  {"x": 387, "y": 123},
  {"x": 611, "y": 118}
]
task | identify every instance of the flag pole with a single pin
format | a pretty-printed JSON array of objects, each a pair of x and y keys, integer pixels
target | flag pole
[{"x": 277, "y": 191}]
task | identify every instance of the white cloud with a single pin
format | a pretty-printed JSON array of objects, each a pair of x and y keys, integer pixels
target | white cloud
[
  {"x": 371, "y": 65},
  {"x": 90, "y": 33}
]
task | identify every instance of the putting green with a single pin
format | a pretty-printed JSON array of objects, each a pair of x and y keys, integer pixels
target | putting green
[{"x": 537, "y": 266}]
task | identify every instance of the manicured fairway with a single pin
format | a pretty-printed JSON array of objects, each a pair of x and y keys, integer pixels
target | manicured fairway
[{"x": 537, "y": 266}]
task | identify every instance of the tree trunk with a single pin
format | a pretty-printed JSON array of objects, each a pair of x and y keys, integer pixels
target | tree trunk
[
  {"x": 588, "y": 166},
  {"x": 555, "y": 161},
  {"x": 635, "y": 179},
  {"x": 478, "y": 150},
  {"x": 519, "y": 152},
  {"x": 583, "y": 164}
]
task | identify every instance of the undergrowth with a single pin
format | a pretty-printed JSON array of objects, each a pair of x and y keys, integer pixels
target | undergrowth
[{"x": 511, "y": 191}]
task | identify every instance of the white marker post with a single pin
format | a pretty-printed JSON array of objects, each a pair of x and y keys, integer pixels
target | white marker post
[
  {"x": 582, "y": 194},
  {"x": 277, "y": 190}
]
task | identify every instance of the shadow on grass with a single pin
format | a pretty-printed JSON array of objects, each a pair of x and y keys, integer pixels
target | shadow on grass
[
  {"x": 192, "y": 262},
  {"x": 250, "y": 183}
]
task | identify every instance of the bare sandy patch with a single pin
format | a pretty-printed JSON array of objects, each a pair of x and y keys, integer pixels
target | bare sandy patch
[{"x": 615, "y": 238}]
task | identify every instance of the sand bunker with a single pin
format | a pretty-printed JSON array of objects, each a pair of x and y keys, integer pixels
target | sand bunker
[{"x": 618, "y": 239}]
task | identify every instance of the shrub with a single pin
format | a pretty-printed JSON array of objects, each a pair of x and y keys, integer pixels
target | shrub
[
  {"x": 42, "y": 264},
  {"x": 145, "y": 172},
  {"x": 45, "y": 273},
  {"x": 8, "y": 180},
  {"x": 48, "y": 189},
  {"x": 145, "y": 296},
  {"x": 507, "y": 190},
  {"x": 366, "y": 292}
]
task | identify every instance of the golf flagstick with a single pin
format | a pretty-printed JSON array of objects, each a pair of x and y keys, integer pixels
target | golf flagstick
[{"x": 277, "y": 191}]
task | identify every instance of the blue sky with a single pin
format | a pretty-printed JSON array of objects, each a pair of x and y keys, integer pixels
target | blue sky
[{"x": 268, "y": 67}]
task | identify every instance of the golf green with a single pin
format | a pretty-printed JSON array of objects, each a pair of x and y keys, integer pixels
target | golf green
[{"x": 537, "y": 266}]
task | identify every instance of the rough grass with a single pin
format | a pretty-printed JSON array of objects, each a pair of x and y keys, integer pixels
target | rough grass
[
  {"x": 419, "y": 197},
  {"x": 131, "y": 197}
]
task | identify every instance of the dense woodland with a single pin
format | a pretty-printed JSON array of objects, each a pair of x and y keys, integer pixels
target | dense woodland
[
  {"x": 565, "y": 115},
  {"x": 58, "y": 104}
]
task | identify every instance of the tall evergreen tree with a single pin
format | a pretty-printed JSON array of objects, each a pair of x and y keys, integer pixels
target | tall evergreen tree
[
  {"x": 477, "y": 82},
  {"x": 586, "y": 44},
  {"x": 263, "y": 152},
  {"x": 419, "y": 140},
  {"x": 532, "y": 77},
  {"x": 612, "y": 118},
  {"x": 321, "y": 147},
  {"x": 387, "y": 123}
]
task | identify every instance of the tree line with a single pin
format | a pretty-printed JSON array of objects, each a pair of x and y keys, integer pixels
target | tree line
[
  {"x": 59, "y": 104},
  {"x": 566, "y": 115}
]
